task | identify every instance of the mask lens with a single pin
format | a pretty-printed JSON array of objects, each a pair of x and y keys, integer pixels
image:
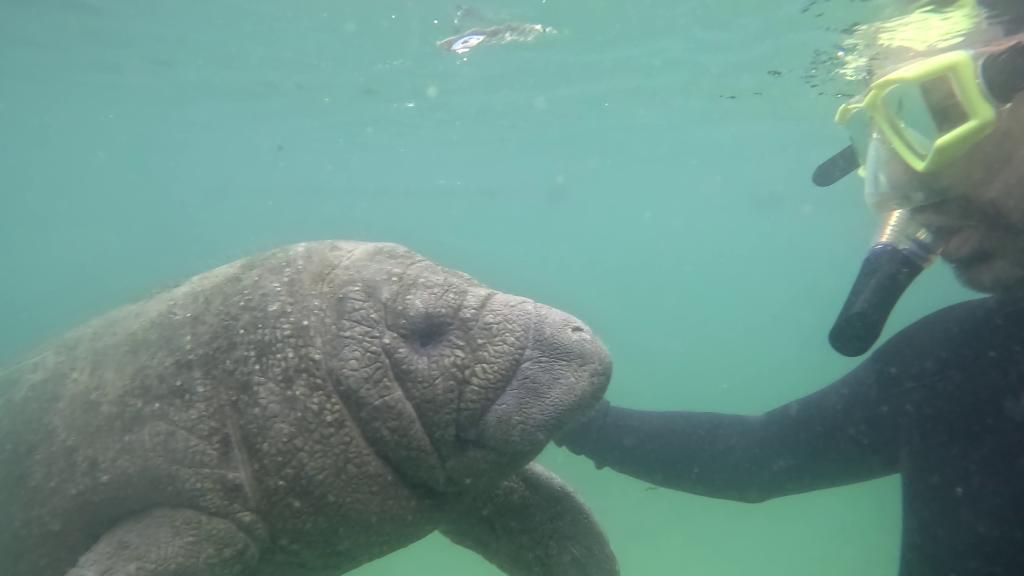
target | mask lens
[
  {"x": 921, "y": 113},
  {"x": 945, "y": 105},
  {"x": 911, "y": 118}
]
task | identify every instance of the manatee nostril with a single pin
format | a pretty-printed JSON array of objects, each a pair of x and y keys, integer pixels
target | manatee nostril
[{"x": 577, "y": 328}]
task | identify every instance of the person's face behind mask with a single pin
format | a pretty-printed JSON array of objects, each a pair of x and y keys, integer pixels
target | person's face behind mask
[{"x": 981, "y": 221}]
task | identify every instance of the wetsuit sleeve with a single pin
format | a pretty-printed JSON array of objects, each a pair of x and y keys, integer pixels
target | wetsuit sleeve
[{"x": 841, "y": 434}]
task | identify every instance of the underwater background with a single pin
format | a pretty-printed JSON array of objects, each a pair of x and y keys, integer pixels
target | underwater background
[{"x": 645, "y": 166}]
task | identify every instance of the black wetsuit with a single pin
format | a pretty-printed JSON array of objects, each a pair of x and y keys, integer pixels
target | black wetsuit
[{"x": 941, "y": 403}]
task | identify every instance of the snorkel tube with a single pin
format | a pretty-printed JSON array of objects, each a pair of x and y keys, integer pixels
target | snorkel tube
[{"x": 901, "y": 251}]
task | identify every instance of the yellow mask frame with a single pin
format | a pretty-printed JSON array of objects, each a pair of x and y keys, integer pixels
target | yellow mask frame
[{"x": 961, "y": 69}]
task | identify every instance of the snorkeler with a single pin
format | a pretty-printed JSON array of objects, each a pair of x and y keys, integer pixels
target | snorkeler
[
  {"x": 501, "y": 34},
  {"x": 939, "y": 140},
  {"x": 474, "y": 29}
]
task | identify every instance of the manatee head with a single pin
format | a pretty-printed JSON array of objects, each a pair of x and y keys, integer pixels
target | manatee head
[{"x": 456, "y": 384}]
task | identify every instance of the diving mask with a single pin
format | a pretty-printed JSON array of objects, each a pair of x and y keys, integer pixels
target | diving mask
[{"x": 929, "y": 112}]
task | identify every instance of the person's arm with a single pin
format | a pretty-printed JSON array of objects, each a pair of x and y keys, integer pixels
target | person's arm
[{"x": 844, "y": 433}]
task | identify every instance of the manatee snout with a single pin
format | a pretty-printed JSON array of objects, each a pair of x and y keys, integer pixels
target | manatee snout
[{"x": 564, "y": 372}]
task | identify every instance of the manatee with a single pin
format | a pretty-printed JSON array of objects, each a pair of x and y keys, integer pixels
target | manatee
[{"x": 300, "y": 412}]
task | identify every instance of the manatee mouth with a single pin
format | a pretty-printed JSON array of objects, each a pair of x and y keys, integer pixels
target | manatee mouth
[
  {"x": 507, "y": 437},
  {"x": 486, "y": 381},
  {"x": 562, "y": 375},
  {"x": 546, "y": 370}
]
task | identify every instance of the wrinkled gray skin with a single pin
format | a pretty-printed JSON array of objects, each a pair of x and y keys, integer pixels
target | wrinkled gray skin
[{"x": 300, "y": 413}]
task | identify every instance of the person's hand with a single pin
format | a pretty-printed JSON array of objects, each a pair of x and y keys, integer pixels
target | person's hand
[{"x": 577, "y": 436}]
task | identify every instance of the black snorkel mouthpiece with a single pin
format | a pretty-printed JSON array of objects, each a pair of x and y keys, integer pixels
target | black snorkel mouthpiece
[{"x": 901, "y": 252}]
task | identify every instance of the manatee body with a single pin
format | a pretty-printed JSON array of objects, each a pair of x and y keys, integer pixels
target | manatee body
[{"x": 297, "y": 413}]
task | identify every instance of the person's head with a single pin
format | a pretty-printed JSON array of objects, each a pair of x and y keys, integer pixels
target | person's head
[{"x": 976, "y": 199}]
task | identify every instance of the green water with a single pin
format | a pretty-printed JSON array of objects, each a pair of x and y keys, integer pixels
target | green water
[{"x": 604, "y": 170}]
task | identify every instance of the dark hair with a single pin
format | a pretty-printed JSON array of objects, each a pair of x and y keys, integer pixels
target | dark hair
[{"x": 1008, "y": 14}]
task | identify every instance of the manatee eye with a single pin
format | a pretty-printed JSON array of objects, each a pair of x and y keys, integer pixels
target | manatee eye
[{"x": 428, "y": 331}]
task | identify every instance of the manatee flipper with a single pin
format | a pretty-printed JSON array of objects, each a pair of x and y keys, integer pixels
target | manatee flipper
[
  {"x": 533, "y": 525},
  {"x": 169, "y": 542}
]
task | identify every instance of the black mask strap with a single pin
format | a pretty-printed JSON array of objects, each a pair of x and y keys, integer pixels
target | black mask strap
[{"x": 1003, "y": 73}]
